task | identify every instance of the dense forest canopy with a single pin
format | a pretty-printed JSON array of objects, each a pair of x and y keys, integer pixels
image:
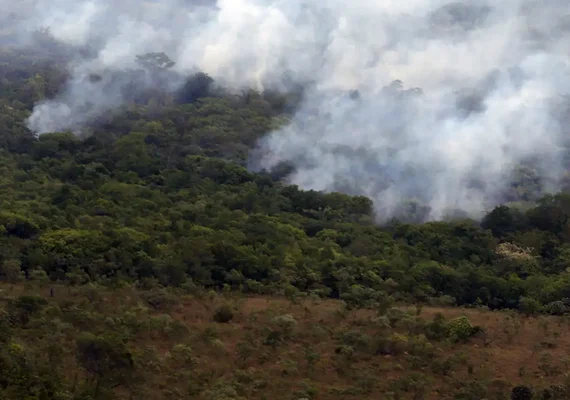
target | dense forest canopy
[
  {"x": 159, "y": 190},
  {"x": 416, "y": 100}
]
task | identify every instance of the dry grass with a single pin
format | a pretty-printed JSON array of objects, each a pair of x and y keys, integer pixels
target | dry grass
[{"x": 515, "y": 349}]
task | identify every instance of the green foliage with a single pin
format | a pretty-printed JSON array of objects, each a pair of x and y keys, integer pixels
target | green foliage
[
  {"x": 460, "y": 329},
  {"x": 437, "y": 329},
  {"x": 22, "y": 377},
  {"x": 414, "y": 383},
  {"x": 558, "y": 307},
  {"x": 529, "y": 306},
  {"x": 5, "y": 327},
  {"x": 158, "y": 194},
  {"x": 284, "y": 324},
  {"x": 17, "y": 225},
  {"x": 23, "y": 308},
  {"x": 224, "y": 314},
  {"x": 106, "y": 358},
  {"x": 471, "y": 390}
]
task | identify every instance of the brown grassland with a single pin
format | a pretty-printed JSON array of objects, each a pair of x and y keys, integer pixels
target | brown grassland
[{"x": 275, "y": 348}]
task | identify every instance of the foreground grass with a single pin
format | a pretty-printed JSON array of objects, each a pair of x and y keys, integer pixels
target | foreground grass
[{"x": 126, "y": 344}]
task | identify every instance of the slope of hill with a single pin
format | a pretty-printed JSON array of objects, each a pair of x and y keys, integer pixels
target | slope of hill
[
  {"x": 91, "y": 342},
  {"x": 153, "y": 202}
]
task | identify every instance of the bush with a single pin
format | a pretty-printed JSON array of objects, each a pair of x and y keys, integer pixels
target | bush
[
  {"x": 5, "y": 327},
  {"x": 461, "y": 330},
  {"x": 393, "y": 345},
  {"x": 521, "y": 393},
  {"x": 437, "y": 329},
  {"x": 285, "y": 324},
  {"x": 529, "y": 306},
  {"x": 357, "y": 340},
  {"x": 105, "y": 357},
  {"x": 421, "y": 347},
  {"x": 182, "y": 356},
  {"x": 18, "y": 225},
  {"x": 555, "y": 392},
  {"x": 556, "y": 308},
  {"x": 223, "y": 314},
  {"x": 159, "y": 299},
  {"x": 471, "y": 390},
  {"x": 442, "y": 301},
  {"x": 282, "y": 328},
  {"x": 21, "y": 309}
]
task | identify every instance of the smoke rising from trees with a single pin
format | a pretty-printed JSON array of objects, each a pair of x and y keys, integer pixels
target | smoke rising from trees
[{"x": 428, "y": 99}]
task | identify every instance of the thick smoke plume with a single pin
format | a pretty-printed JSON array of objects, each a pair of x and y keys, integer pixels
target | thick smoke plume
[{"x": 427, "y": 99}]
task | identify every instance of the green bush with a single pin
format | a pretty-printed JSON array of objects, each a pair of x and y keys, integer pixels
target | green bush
[
  {"x": 223, "y": 314},
  {"x": 437, "y": 329},
  {"x": 529, "y": 306},
  {"x": 285, "y": 324},
  {"x": 393, "y": 345},
  {"x": 21, "y": 309},
  {"x": 461, "y": 330},
  {"x": 556, "y": 308}
]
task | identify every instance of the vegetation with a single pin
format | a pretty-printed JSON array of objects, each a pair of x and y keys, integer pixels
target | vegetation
[
  {"x": 132, "y": 228},
  {"x": 66, "y": 343}
]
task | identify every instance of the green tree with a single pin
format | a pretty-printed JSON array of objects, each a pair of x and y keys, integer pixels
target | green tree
[{"x": 106, "y": 359}]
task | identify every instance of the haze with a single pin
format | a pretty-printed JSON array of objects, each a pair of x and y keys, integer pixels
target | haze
[{"x": 478, "y": 87}]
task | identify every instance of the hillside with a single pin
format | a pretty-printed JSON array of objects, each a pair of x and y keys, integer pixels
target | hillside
[
  {"x": 158, "y": 192},
  {"x": 139, "y": 226},
  {"x": 125, "y": 344}
]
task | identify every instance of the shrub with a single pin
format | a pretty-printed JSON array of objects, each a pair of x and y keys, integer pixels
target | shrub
[
  {"x": 556, "y": 308},
  {"x": 393, "y": 345},
  {"x": 159, "y": 299},
  {"x": 521, "y": 393},
  {"x": 222, "y": 391},
  {"x": 5, "y": 327},
  {"x": 357, "y": 340},
  {"x": 18, "y": 225},
  {"x": 444, "y": 367},
  {"x": 461, "y": 330},
  {"x": 437, "y": 329},
  {"x": 555, "y": 392},
  {"x": 223, "y": 314},
  {"x": 471, "y": 390},
  {"x": 442, "y": 301},
  {"x": 22, "y": 308},
  {"x": 182, "y": 356},
  {"x": 285, "y": 324},
  {"x": 395, "y": 315},
  {"x": 420, "y": 346},
  {"x": 415, "y": 383},
  {"x": 106, "y": 358},
  {"x": 282, "y": 328},
  {"x": 529, "y": 306}
]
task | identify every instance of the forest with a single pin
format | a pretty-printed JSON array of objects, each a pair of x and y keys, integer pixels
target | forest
[{"x": 106, "y": 234}]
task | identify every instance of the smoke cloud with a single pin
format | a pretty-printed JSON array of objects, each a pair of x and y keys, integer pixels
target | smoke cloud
[{"x": 431, "y": 99}]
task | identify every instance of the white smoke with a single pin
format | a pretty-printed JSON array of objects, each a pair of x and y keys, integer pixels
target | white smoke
[{"x": 489, "y": 75}]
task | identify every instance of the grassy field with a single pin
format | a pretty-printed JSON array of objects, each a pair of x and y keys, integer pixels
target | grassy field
[{"x": 273, "y": 348}]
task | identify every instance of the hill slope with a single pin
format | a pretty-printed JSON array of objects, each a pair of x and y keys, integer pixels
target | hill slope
[
  {"x": 118, "y": 344},
  {"x": 153, "y": 202}
]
